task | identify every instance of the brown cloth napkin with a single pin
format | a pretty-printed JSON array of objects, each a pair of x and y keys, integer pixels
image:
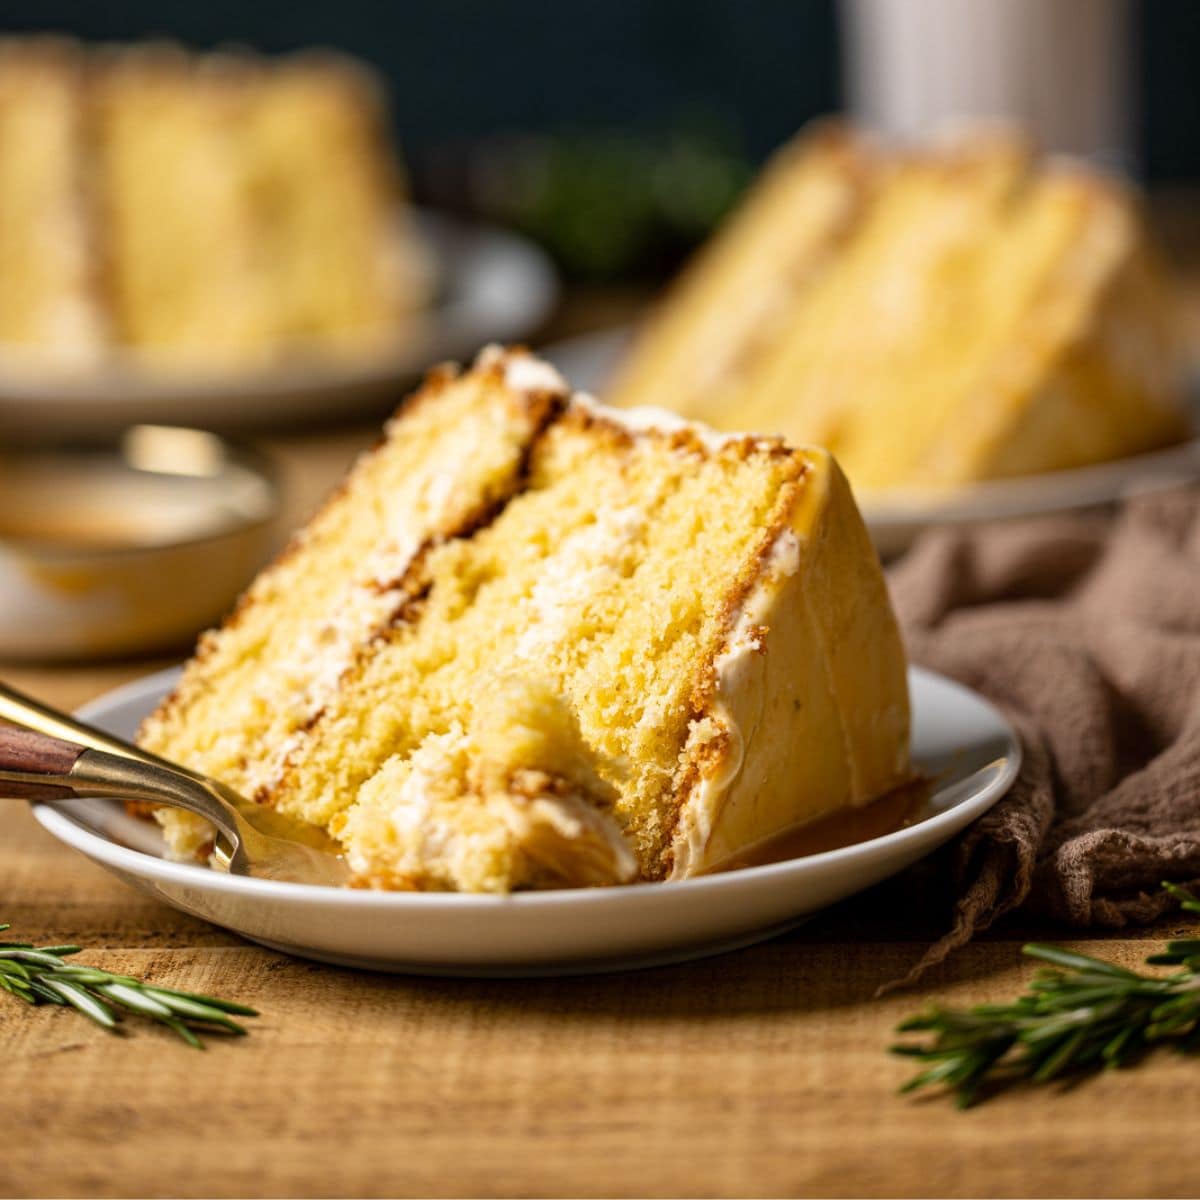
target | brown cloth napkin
[{"x": 1085, "y": 630}]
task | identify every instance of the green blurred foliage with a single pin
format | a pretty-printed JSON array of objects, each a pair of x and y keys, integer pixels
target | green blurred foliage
[{"x": 612, "y": 206}]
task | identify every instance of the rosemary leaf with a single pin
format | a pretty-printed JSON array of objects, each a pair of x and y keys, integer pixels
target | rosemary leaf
[
  {"x": 39, "y": 975},
  {"x": 183, "y": 1031},
  {"x": 1077, "y": 962},
  {"x": 132, "y": 999},
  {"x": 83, "y": 1000},
  {"x": 17, "y": 986},
  {"x": 228, "y": 1006},
  {"x": 1081, "y": 1014},
  {"x": 31, "y": 956},
  {"x": 185, "y": 1006}
]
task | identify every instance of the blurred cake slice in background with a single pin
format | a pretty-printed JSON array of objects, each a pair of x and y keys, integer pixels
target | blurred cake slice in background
[
  {"x": 933, "y": 316},
  {"x": 179, "y": 235},
  {"x": 340, "y": 258},
  {"x": 734, "y": 300},
  {"x": 48, "y": 298},
  {"x": 205, "y": 212},
  {"x": 533, "y": 642}
]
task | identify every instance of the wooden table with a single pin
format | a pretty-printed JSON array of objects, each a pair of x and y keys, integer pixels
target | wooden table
[{"x": 760, "y": 1072}]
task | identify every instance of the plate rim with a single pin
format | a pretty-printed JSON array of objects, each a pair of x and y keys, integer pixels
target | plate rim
[{"x": 76, "y": 835}]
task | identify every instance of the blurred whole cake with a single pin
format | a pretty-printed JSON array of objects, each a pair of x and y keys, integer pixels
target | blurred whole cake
[
  {"x": 205, "y": 211},
  {"x": 533, "y": 642},
  {"x": 934, "y": 315}
]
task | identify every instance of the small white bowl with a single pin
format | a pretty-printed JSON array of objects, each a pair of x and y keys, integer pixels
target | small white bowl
[{"x": 128, "y": 548}]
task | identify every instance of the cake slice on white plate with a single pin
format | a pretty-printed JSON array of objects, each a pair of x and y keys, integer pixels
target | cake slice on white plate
[{"x": 535, "y": 642}]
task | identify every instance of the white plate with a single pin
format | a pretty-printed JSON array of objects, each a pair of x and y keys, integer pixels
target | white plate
[
  {"x": 491, "y": 285},
  {"x": 896, "y": 519},
  {"x": 959, "y": 740}
]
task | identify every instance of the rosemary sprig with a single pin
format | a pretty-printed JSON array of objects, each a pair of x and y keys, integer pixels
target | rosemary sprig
[
  {"x": 42, "y": 976},
  {"x": 1081, "y": 1014}
]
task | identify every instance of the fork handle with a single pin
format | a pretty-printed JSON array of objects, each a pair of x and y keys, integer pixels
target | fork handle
[
  {"x": 35, "y": 766},
  {"x": 33, "y": 714}
]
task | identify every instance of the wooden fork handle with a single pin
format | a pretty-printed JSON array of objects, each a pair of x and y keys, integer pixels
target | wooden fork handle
[{"x": 34, "y": 766}]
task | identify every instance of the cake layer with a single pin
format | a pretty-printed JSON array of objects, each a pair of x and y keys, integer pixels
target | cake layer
[
  {"x": 655, "y": 647},
  {"x": 338, "y": 257},
  {"x": 978, "y": 314},
  {"x": 179, "y": 239},
  {"x": 735, "y": 298},
  {"x": 807, "y": 709},
  {"x": 47, "y": 287},
  {"x": 881, "y": 333},
  {"x": 1094, "y": 371},
  {"x": 259, "y": 682}
]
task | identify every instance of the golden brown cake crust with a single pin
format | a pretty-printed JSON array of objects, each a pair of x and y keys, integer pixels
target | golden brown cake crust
[{"x": 705, "y": 685}]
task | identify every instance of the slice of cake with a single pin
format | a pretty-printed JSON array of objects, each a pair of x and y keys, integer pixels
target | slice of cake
[
  {"x": 206, "y": 211},
  {"x": 48, "y": 301},
  {"x": 180, "y": 239},
  {"x": 534, "y": 642},
  {"x": 962, "y": 311},
  {"x": 734, "y": 300},
  {"x": 338, "y": 254}
]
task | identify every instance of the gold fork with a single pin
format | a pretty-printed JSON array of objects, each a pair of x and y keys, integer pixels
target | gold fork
[{"x": 53, "y": 757}]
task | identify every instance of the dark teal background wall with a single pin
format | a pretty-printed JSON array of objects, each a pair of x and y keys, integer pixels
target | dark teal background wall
[{"x": 463, "y": 69}]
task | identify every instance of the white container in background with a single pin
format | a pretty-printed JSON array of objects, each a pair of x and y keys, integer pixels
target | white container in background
[{"x": 1059, "y": 68}]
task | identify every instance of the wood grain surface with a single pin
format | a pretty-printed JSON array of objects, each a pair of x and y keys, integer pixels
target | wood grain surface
[{"x": 759, "y": 1072}]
